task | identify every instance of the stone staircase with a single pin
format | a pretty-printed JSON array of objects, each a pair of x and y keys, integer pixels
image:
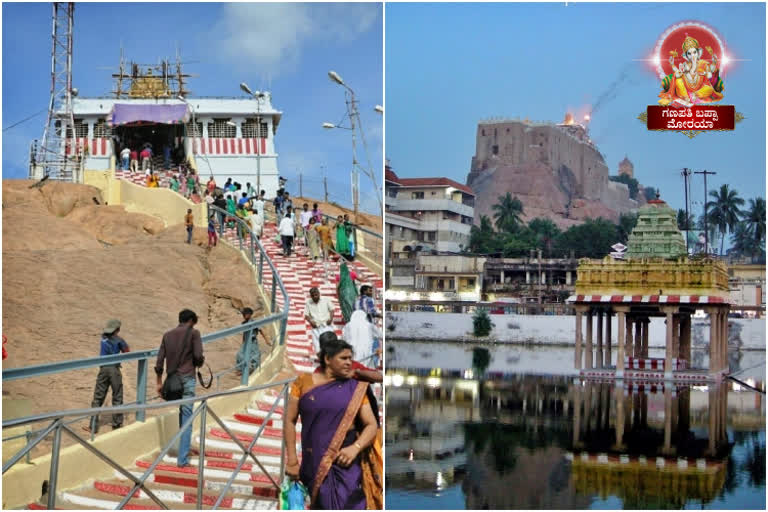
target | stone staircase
[{"x": 252, "y": 489}]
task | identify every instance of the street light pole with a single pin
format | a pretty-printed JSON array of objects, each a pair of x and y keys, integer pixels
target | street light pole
[
  {"x": 706, "y": 221},
  {"x": 354, "y": 119},
  {"x": 258, "y": 95}
]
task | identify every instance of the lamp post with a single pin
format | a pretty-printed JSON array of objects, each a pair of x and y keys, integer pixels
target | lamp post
[
  {"x": 259, "y": 96},
  {"x": 354, "y": 119}
]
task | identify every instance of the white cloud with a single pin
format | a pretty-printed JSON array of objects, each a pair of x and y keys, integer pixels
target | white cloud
[{"x": 270, "y": 36}]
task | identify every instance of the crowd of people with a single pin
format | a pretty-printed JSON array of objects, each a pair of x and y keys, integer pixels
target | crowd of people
[{"x": 341, "y": 464}]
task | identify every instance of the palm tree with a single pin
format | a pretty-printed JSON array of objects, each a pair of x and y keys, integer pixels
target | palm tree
[
  {"x": 724, "y": 211},
  {"x": 508, "y": 212},
  {"x": 545, "y": 232},
  {"x": 481, "y": 237},
  {"x": 755, "y": 219},
  {"x": 744, "y": 243}
]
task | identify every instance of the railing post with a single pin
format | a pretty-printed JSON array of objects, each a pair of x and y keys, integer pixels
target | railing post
[
  {"x": 29, "y": 454},
  {"x": 201, "y": 457},
  {"x": 239, "y": 235},
  {"x": 261, "y": 266},
  {"x": 141, "y": 388},
  {"x": 286, "y": 395},
  {"x": 283, "y": 326},
  {"x": 247, "y": 364},
  {"x": 274, "y": 291},
  {"x": 54, "y": 473}
]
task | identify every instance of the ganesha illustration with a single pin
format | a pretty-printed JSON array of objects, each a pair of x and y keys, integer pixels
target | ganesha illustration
[{"x": 694, "y": 79}]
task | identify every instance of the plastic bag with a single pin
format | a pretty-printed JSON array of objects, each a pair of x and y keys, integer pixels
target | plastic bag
[{"x": 293, "y": 495}]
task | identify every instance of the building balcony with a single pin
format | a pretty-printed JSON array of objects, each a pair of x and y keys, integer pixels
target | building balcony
[
  {"x": 434, "y": 205},
  {"x": 523, "y": 287}
]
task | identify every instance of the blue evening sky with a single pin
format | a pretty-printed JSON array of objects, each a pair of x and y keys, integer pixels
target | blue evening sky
[
  {"x": 451, "y": 65},
  {"x": 285, "y": 48}
]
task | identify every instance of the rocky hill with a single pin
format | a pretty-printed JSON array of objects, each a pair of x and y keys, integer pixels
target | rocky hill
[
  {"x": 70, "y": 264},
  {"x": 555, "y": 171}
]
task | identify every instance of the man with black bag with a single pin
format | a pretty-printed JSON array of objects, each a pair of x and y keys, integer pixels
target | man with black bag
[{"x": 182, "y": 351}]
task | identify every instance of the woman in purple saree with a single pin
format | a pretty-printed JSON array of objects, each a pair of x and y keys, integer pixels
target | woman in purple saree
[{"x": 337, "y": 424}]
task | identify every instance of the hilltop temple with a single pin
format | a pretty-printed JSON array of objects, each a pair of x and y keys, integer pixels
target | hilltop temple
[{"x": 223, "y": 137}]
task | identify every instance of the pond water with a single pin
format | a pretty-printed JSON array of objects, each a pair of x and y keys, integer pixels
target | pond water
[{"x": 535, "y": 436}]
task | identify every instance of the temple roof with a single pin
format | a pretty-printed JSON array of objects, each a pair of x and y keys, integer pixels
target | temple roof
[{"x": 656, "y": 234}]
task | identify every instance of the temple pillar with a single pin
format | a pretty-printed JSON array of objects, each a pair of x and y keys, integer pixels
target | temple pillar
[
  {"x": 527, "y": 277},
  {"x": 599, "y": 339},
  {"x": 590, "y": 353},
  {"x": 646, "y": 327},
  {"x": 567, "y": 277},
  {"x": 502, "y": 277},
  {"x": 578, "y": 358},
  {"x": 607, "y": 358},
  {"x": 714, "y": 330},
  {"x": 620, "y": 318},
  {"x": 668, "y": 344},
  {"x": 630, "y": 341},
  {"x": 676, "y": 336},
  {"x": 685, "y": 339},
  {"x": 638, "y": 338}
]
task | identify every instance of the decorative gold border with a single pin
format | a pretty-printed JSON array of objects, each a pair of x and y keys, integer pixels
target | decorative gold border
[{"x": 738, "y": 117}]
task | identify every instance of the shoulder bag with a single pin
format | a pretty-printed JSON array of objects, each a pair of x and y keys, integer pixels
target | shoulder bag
[{"x": 173, "y": 387}]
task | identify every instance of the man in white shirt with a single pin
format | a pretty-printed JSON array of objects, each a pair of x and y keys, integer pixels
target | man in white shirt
[
  {"x": 256, "y": 222},
  {"x": 286, "y": 233},
  {"x": 125, "y": 156},
  {"x": 258, "y": 205},
  {"x": 304, "y": 219},
  {"x": 319, "y": 314}
]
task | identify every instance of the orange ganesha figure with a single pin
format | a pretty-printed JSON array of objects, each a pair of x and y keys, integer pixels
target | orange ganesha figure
[{"x": 695, "y": 81}]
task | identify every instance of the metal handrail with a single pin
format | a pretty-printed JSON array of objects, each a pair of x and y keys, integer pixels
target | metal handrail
[{"x": 58, "y": 425}]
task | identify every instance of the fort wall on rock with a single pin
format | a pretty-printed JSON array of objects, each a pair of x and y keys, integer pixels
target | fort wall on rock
[{"x": 553, "y": 169}]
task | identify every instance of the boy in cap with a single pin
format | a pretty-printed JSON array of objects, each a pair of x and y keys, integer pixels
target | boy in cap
[{"x": 110, "y": 375}]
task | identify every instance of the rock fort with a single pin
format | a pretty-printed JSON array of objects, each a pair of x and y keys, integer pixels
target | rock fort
[{"x": 554, "y": 169}]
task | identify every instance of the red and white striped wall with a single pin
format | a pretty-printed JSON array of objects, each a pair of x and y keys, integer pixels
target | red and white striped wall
[
  {"x": 99, "y": 146},
  {"x": 649, "y": 299},
  {"x": 229, "y": 146}
]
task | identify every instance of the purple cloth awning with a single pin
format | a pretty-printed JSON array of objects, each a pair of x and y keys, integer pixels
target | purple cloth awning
[{"x": 123, "y": 113}]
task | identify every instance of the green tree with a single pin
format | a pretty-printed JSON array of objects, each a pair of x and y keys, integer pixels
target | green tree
[
  {"x": 724, "y": 211},
  {"x": 481, "y": 323},
  {"x": 650, "y": 193},
  {"x": 627, "y": 222},
  {"x": 629, "y": 182},
  {"x": 481, "y": 237},
  {"x": 754, "y": 217},
  {"x": 681, "y": 220},
  {"x": 544, "y": 232},
  {"x": 593, "y": 239},
  {"x": 507, "y": 213},
  {"x": 743, "y": 242}
]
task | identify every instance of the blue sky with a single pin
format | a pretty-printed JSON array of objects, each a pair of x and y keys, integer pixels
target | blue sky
[
  {"x": 285, "y": 48},
  {"x": 451, "y": 65}
]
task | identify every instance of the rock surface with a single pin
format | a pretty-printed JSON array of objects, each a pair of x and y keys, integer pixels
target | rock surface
[{"x": 69, "y": 265}]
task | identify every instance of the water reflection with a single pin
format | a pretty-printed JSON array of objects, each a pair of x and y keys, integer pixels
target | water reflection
[{"x": 557, "y": 442}]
